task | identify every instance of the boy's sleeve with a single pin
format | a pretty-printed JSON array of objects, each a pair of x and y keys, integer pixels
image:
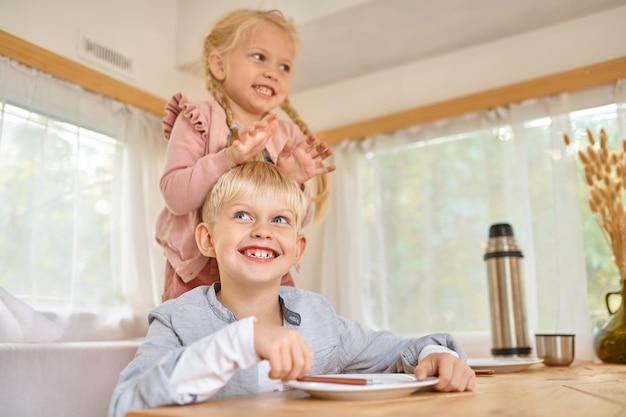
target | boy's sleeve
[
  {"x": 206, "y": 366},
  {"x": 165, "y": 373},
  {"x": 365, "y": 350},
  {"x": 429, "y": 349}
]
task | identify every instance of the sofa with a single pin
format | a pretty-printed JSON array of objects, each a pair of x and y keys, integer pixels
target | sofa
[{"x": 61, "y": 379}]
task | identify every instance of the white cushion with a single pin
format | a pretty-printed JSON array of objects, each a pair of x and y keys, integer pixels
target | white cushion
[{"x": 67, "y": 379}]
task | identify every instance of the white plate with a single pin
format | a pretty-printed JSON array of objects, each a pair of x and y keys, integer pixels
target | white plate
[
  {"x": 384, "y": 386},
  {"x": 502, "y": 365}
]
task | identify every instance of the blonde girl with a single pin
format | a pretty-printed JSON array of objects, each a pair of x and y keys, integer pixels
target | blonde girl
[{"x": 248, "y": 57}]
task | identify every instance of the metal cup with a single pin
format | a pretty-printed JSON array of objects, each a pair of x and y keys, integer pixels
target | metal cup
[{"x": 555, "y": 349}]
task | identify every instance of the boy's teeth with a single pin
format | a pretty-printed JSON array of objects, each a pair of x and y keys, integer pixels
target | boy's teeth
[{"x": 260, "y": 254}]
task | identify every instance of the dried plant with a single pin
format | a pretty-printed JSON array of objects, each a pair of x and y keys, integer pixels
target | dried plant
[{"x": 605, "y": 173}]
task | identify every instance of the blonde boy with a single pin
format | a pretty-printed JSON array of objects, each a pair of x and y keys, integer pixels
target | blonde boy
[{"x": 248, "y": 334}]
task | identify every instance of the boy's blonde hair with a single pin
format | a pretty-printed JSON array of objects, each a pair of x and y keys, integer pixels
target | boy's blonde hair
[
  {"x": 223, "y": 38},
  {"x": 250, "y": 180}
]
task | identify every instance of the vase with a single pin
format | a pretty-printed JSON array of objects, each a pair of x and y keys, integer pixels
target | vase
[{"x": 610, "y": 340}]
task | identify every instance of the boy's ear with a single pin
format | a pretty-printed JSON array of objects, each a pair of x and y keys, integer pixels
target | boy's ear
[
  {"x": 204, "y": 241},
  {"x": 300, "y": 246},
  {"x": 216, "y": 65}
]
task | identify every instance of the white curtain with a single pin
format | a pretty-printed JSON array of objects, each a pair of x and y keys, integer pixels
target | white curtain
[
  {"x": 521, "y": 174},
  {"x": 136, "y": 262},
  {"x": 343, "y": 264}
]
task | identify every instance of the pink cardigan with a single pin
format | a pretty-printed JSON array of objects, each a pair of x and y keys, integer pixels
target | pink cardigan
[{"x": 197, "y": 134}]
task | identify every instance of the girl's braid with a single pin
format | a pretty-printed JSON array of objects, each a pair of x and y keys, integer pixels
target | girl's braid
[
  {"x": 217, "y": 91},
  {"x": 294, "y": 116},
  {"x": 322, "y": 182}
]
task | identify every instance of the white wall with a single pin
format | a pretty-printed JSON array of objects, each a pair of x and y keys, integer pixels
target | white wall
[
  {"x": 557, "y": 48},
  {"x": 145, "y": 30}
]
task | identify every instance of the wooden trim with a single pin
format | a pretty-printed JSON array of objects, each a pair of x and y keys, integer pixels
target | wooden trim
[
  {"x": 33, "y": 56},
  {"x": 588, "y": 76},
  {"x": 576, "y": 79}
]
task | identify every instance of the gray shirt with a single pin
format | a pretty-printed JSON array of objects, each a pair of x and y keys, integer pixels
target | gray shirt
[{"x": 339, "y": 346}]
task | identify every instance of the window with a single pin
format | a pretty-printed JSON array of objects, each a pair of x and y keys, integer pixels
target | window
[
  {"x": 79, "y": 198},
  {"x": 439, "y": 197},
  {"x": 56, "y": 184}
]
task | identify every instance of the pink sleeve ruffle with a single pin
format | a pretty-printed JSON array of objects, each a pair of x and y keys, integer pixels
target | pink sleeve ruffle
[{"x": 190, "y": 110}]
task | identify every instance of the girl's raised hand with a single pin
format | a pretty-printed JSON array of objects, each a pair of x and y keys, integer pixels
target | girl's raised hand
[
  {"x": 252, "y": 140},
  {"x": 304, "y": 161}
]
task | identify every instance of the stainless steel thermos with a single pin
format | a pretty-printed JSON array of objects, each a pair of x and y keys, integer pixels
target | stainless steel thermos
[{"x": 506, "y": 293}]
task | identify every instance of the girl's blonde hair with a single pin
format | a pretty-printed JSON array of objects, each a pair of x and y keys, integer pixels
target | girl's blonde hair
[
  {"x": 223, "y": 38},
  {"x": 250, "y": 180}
]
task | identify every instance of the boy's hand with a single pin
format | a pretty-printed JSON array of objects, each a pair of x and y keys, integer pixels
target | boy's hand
[
  {"x": 289, "y": 355},
  {"x": 304, "y": 161},
  {"x": 453, "y": 373},
  {"x": 252, "y": 140}
]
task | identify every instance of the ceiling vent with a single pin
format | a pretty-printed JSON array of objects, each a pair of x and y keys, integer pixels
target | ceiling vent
[{"x": 105, "y": 57}]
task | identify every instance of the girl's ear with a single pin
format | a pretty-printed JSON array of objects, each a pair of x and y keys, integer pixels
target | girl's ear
[
  {"x": 216, "y": 65},
  {"x": 204, "y": 241}
]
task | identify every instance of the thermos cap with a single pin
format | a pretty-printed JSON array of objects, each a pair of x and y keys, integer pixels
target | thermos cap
[{"x": 500, "y": 229}]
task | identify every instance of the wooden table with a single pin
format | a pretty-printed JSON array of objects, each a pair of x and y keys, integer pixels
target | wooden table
[{"x": 583, "y": 389}]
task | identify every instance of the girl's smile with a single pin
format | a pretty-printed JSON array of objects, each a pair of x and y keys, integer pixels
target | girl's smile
[
  {"x": 255, "y": 73},
  {"x": 264, "y": 90}
]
